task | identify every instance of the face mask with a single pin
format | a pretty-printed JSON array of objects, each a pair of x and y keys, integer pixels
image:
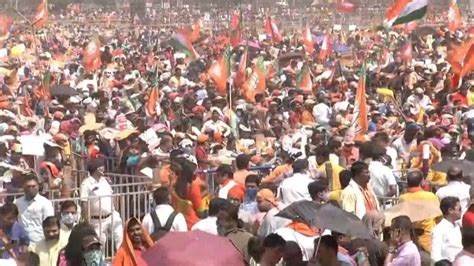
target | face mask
[
  {"x": 68, "y": 218},
  {"x": 93, "y": 258},
  {"x": 133, "y": 160},
  {"x": 250, "y": 194}
]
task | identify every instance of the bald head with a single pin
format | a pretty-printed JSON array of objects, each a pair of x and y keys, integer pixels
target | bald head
[
  {"x": 454, "y": 173},
  {"x": 414, "y": 178}
]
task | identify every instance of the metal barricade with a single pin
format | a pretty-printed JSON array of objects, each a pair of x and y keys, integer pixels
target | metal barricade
[{"x": 388, "y": 202}]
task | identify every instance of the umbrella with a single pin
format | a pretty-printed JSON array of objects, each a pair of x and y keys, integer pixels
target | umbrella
[
  {"x": 326, "y": 216},
  {"x": 195, "y": 248},
  {"x": 415, "y": 210},
  {"x": 63, "y": 90},
  {"x": 443, "y": 166}
]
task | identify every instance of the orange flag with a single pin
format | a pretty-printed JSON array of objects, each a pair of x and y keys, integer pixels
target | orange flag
[
  {"x": 461, "y": 60},
  {"x": 91, "y": 56},
  {"x": 41, "y": 15},
  {"x": 454, "y": 16},
  {"x": 219, "y": 72},
  {"x": 256, "y": 82},
  {"x": 5, "y": 23},
  {"x": 308, "y": 40},
  {"x": 240, "y": 75},
  {"x": 272, "y": 30},
  {"x": 196, "y": 33},
  {"x": 152, "y": 101},
  {"x": 360, "y": 123}
]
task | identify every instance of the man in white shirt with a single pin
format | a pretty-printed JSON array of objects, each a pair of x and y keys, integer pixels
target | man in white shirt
[
  {"x": 97, "y": 203},
  {"x": 215, "y": 124},
  {"x": 164, "y": 211},
  {"x": 225, "y": 180},
  {"x": 382, "y": 180},
  {"x": 446, "y": 241},
  {"x": 295, "y": 188},
  {"x": 209, "y": 224},
  {"x": 322, "y": 112},
  {"x": 418, "y": 100},
  {"x": 456, "y": 188},
  {"x": 33, "y": 208},
  {"x": 404, "y": 144}
]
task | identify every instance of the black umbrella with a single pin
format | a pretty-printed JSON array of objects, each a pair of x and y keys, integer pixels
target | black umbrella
[
  {"x": 443, "y": 166},
  {"x": 63, "y": 90},
  {"x": 326, "y": 216}
]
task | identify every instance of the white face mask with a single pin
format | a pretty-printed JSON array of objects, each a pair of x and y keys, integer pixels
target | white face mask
[{"x": 68, "y": 218}]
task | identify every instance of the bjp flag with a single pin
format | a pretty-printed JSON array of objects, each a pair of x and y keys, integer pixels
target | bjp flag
[{"x": 41, "y": 15}]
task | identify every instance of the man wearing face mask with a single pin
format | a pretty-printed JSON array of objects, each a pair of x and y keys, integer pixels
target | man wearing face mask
[
  {"x": 48, "y": 249},
  {"x": 248, "y": 209},
  {"x": 33, "y": 208},
  {"x": 69, "y": 219},
  {"x": 100, "y": 210}
]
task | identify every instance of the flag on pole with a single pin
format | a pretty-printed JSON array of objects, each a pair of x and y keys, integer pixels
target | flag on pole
[
  {"x": 308, "y": 40},
  {"x": 46, "y": 95},
  {"x": 181, "y": 42},
  {"x": 303, "y": 79},
  {"x": 272, "y": 30},
  {"x": 196, "y": 32},
  {"x": 240, "y": 75},
  {"x": 91, "y": 56},
  {"x": 152, "y": 102},
  {"x": 461, "y": 59},
  {"x": 360, "y": 122},
  {"x": 454, "y": 16},
  {"x": 256, "y": 81},
  {"x": 5, "y": 24},
  {"x": 41, "y": 15},
  {"x": 404, "y": 11},
  {"x": 236, "y": 31},
  {"x": 326, "y": 47},
  {"x": 219, "y": 72},
  {"x": 273, "y": 70}
]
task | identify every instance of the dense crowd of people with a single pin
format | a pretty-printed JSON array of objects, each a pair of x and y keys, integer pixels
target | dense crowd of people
[{"x": 255, "y": 164}]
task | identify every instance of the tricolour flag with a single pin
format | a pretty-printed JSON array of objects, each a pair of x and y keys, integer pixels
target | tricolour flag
[
  {"x": 308, "y": 40},
  {"x": 360, "y": 122},
  {"x": 326, "y": 47},
  {"x": 240, "y": 75},
  {"x": 303, "y": 79},
  {"x": 181, "y": 42},
  {"x": 256, "y": 81},
  {"x": 219, "y": 72},
  {"x": 272, "y": 30},
  {"x": 91, "y": 56},
  {"x": 41, "y": 15},
  {"x": 454, "y": 16},
  {"x": 404, "y": 11}
]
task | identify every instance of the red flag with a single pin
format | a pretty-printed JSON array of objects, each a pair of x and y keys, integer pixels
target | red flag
[
  {"x": 235, "y": 19},
  {"x": 407, "y": 52},
  {"x": 308, "y": 40},
  {"x": 41, "y": 16},
  {"x": 326, "y": 47},
  {"x": 454, "y": 16},
  {"x": 345, "y": 7},
  {"x": 219, "y": 72},
  {"x": 272, "y": 30},
  {"x": 152, "y": 102},
  {"x": 91, "y": 56},
  {"x": 240, "y": 75}
]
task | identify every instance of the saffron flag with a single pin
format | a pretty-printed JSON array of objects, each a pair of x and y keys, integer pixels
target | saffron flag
[
  {"x": 181, "y": 42},
  {"x": 404, "y": 11},
  {"x": 461, "y": 59},
  {"x": 454, "y": 16},
  {"x": 41, "y": 15},
  {"x": 308, "y": 40},
  {"x": 196, "y": 32},
  {"x": 326, "y": 47},
  {"x": 46, "y": 95},
  {"x": 359, "y": 122},
  {"x": 256, "y": 82},
  {"x": 5, "y": 24},
  {"x": 236, "y": 31},
  {"x": 272, "y": 30},
  {"x": 152, "y": 102},
  {"x": 240, "y": 75},
  {"x": 219, "y": 72},
  {"x": 91, "y": 56},
  {"x": 303, "y": 79},
  {"x": 273, "y": 70}
]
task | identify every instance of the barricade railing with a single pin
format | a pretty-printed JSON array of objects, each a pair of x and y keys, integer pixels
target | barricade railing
[{"x": 387, "y": 202}]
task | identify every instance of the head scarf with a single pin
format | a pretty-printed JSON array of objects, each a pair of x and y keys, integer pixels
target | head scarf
[
  {"x": 267, "y": 194},
  {"x": 126, "y": 253}
]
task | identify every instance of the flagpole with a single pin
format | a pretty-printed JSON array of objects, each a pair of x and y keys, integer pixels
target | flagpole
[{"x": 32, "y": 28}]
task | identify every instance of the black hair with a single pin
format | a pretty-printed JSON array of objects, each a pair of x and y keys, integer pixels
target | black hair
[
  {"x": 73, "y": 249},
  {"x": 30, "y": 176},
  {"x": 215, "y": 205},
  {"x": 273, "y": 241},
  {"x": 402, "y": 222},
  {"x": 225, "y": 170},
  {"x": 67, "y": 204},
  {"x": 317, "y": 187},
  {"x": 95, "y": 164},
  {"x": 256, "y": 245},
  {"x": 29, "y": 258},
  {"x": 467, "y": 237},
  {"x": 8, "y": 208},
  {"x": 323, "y": 152},
  {"x": 448, "y": 203},
  {"x": 334, "y": 144},
  {"x": 161, "y": 195},
  {"x": 358, "y": 167},
  {"x": 443, "y": 263},
  {"x": 329, "y": 241},
  {"x": 51, "y": 221},
  {"x": 252, "y": 179},
  {"x": 414, "y": 178},
  {"x": 345, "y": 177},
  {"x": 242, "y": 161},
  {"x": 300, "y": 165}
]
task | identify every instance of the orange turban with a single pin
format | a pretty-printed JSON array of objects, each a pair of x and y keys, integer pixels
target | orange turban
[
  {"x": 267, "y": 194},
  {"x": 202, "y": 138},
  {"x": 237, "y": 192}
]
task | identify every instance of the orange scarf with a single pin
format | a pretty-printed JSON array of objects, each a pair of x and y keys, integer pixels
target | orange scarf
[
  {"x": 126, "y": 253},
  {"x": 303, "y": 229},
  {"x": 369, "y": 200}
]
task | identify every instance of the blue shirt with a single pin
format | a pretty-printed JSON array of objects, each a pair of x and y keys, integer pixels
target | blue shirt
[{"x": 18, "y": 236}]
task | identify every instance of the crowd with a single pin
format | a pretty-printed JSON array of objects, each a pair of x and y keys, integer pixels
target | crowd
[{"x": 301, "y": 145}]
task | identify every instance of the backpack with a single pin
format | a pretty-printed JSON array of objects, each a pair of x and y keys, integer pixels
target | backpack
[{"x": 159, "y": 230}]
